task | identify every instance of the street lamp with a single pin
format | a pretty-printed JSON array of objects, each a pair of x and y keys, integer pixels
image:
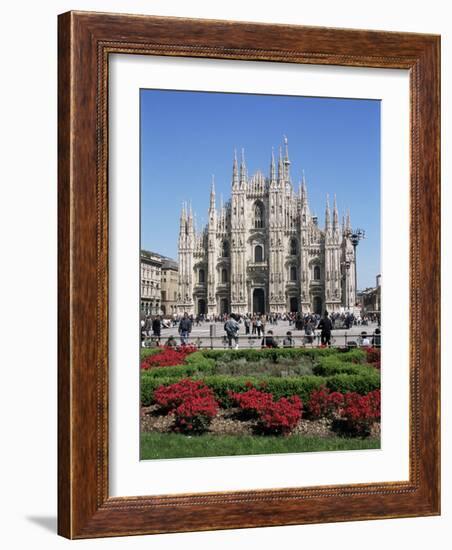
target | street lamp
[
  {"x": 355, "y": 235},
  {"x": 346, "y": 264}
]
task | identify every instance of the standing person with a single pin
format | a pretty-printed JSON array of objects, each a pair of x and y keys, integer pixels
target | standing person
[
  {"x": 247, "y": 325},
  {"x": 325, "y": 327},
  {"x": 254, "y": 325},
  {"x": 157, "y": 328},
  {"x": 185, "y": 329},
  {"x": 309, "y": 331},
  {"x": 376, "y": 338},
  {"x": 259, "y": 327},
  {"x": 288, "y": 341},
  {"x": 232, "y": 328}
]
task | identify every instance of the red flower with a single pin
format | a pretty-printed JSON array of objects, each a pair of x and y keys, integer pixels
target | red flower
[
  {"x": 252, "y": 401},
  {"x": 192, "y": 403},
  {"x": 280, "y": 417},
  {"x": 168, "y": 357}
]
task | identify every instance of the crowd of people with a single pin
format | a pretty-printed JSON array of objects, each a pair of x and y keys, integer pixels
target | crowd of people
[{"x": 255, "y": 326}]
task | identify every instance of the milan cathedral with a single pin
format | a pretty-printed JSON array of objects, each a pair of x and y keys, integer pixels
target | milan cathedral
[{"x": 263, "y": 251}]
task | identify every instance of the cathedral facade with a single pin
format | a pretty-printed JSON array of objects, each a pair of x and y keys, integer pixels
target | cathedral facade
[{"x": 263, "y": 251}]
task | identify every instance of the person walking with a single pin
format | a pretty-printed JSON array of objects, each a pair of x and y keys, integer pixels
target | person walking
[
  {"x": 325, "y": 325},
  {"x": 157, "y": 329},
  {"x": 232, "y": 328},
  {"x": 259, "y": 327},
  {"x": 185, "y": 329}
]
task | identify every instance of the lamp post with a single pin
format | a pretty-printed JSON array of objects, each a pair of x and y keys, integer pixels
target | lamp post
[
  {"x": 346, "y": 264},
  {"x": 355, "y": 235}
]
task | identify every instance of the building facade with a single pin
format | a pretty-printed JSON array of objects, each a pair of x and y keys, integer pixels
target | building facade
[
  {"x": 263, "y": 251},
  {"x": 170, "y": 287},
  {"x": 151, "y": 277},
  {"x": 370, "y": 298}
]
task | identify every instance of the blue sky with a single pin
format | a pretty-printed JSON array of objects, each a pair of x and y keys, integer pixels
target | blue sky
[{"x": 188, "y": 136}]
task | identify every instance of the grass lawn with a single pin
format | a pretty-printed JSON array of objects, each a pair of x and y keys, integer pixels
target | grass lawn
[{"x": 158, "y": 445}]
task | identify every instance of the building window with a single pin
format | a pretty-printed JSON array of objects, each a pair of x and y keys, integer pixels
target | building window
[
  {"x": 316, "y": 273},
  {"x": 258, "y": 215},
  {"x": 293, "y": 247},
  {"x": 201, "y": 276},
  {"x": 293, "y": 273},
  {"x": 225, "y": 249},
  {"x": 224, "y": 275},
  {"x": 258, "y": 253}
]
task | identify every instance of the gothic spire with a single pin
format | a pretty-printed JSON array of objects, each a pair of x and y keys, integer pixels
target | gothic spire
[
  {"x": 280, "y": 168},
  {"x": 304, "y": 190},
  {"x": 327, "y": 215},
  {"x": 335, "y": 216},
  {"x": 212, "y": 194},
  {"x": 243, "y": 173},
  {"x": 348, "y": 225},
  {"x": 235, "y": 172},
  {"x": 286, "y": 160},
  {"x": 273, "y": 168}
]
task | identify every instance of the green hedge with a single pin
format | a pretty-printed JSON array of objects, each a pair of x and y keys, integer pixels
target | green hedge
[
  {"x": 279, "y": 387},
  {"x": 195, "y": 363},
  {"x": 221, "y": 385},
  {"x": 329, "y": 366},
  {"x": 146, "y": 352},
  {"x": 267, "y": 353},
  {"x": 339, "y": 371},
  {"x": 359, "y": 383}
]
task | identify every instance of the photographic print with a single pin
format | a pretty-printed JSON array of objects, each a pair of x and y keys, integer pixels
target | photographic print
[{"x": 260, "y": 275}]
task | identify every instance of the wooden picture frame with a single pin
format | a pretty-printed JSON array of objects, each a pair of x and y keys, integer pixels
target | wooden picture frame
[{"x": 85, "y": 42}]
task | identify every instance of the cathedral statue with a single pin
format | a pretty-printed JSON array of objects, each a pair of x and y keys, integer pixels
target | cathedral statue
[{"x": 263, "y": 251}]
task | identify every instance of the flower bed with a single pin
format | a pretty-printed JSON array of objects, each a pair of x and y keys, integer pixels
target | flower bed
[
  {"x": 343, "y": 391},
  {"x": 192, "y": 403},
  {"x": 167, "y": 357}
]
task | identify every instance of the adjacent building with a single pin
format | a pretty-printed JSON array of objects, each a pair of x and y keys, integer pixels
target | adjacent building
[
  {"x": 159, "y": 284},
  {"x": 151, "y": 276},
  {"x": 264, "y": 251},
  {"x": 370, "y": 298},
  {"x": 170, "y": 286}
]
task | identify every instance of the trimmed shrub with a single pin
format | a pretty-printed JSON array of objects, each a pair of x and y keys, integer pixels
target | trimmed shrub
[
  {"x": 170, "y": 397},
  {"x": 353, "y": 356},
  {"x": 167, "y": 357},
  {"x": 279, "y": 417},
  {"x": 329, "y": 366},
  {"x": 278, "y": 387},
  {"x": 192, "y": 403},
  {"x": 358, "y": 413},
  {"x": 323, "y": 403},
  {"x": 251, "y": 402},
  {"x": 194, "y": 363},
  {"x": 195, "y": 414},
  {"x": 358, "y": 383},
  {"x": 224, "y": 356},
  {"x": 146, "y": 352}
]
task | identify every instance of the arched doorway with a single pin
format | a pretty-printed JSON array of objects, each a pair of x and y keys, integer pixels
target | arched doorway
[
  {"x": 258, "y": 300},
  {"x": 201, "y": 306},
  {"x": 293, "y": 304},
  {"x": 317, "y": 305},
  {"x": 224, "y": 306}
]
